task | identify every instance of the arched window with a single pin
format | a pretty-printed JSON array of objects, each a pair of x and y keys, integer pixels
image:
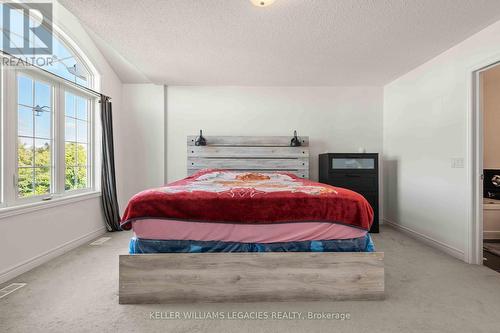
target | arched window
[
  {"x": 49, "y": 116},
  {"x": 63, "y": 60},
  {"x": 67, "y": 65}
]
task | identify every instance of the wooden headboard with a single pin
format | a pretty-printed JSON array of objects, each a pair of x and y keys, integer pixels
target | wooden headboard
[{"x": 249, "y": 153}]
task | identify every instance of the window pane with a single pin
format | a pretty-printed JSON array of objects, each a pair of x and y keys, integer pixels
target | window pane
[
  {"x": 25, "y": 182},
  {"x": 81, "y": 154},
  {"x": 70, "y": 178},
  {"x": 42, "y": 124},
  {"x": 76, "y": 177},
  {"x": 25, "y": 121},
  {"x": 76, "y": 141},
  {"x": 81, "y": 108},
  {"x": 69, "y": 106},
  {"x": 43, "y": 95},
  {"x": 70, "y": 129},
  {"x": 42, "y": 180},
  {"x": 25, "y": 91},
  {"x": 81, "y": 177},
  {"x": 34, "y": 148},
  {"x": 25, "y": 152},
  {"x": 70, "y": 154},
  {"x": 42, "y": 153},
  {"x": 64, "y": 64},
  {"x": 82, "y": 128}
]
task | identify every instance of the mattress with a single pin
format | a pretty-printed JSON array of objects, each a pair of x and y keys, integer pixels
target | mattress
[
  {"x": 233, "y": 232},
  {"x": 141, "y": 246}
]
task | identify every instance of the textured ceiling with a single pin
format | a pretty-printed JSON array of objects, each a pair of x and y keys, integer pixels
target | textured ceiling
[{"x": 291, "y": 43}]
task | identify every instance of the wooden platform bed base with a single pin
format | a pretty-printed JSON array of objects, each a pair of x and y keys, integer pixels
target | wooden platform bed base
[{"x": 250, "y": 277}]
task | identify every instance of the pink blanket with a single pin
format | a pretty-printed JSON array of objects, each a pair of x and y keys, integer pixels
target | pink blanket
[{"x": 250, "y": 198}]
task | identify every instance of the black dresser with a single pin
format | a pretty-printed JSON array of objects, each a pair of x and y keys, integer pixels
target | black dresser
[{"x": 357, "y": 172}]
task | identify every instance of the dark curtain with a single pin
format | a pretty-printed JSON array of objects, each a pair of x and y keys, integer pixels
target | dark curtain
[{"x": 108, "y": 181}]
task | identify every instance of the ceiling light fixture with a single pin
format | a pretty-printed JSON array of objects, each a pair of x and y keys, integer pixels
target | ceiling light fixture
[{"x": 262, "y": 3}]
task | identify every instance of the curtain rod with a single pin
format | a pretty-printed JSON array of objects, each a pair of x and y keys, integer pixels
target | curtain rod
[{"x": 79, "y": 86}]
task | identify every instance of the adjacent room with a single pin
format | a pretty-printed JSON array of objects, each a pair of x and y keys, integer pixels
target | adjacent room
[
  {"x": 250, "y": 166},
  {"x": 489, "y": 85}
]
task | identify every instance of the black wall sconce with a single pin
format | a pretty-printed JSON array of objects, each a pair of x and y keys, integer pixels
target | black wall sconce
[
  {"x": 200, "y": 141},
  {"x": 295, "y": 142}
]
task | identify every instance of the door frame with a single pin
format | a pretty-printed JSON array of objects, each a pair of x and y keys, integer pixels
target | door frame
[{"x": 475, "y": 138}]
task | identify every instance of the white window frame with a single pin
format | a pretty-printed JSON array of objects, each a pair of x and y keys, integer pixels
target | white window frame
[
  {"x": 7, "y": 133},
  {"x": 9, "y": 140},
  {"x": 12, "y": 122}
]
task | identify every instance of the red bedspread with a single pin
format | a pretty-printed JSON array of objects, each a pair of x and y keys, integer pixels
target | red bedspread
[{"x": 246, "y": 197}]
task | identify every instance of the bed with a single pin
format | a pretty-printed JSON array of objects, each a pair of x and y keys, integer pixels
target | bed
[{"x": 248, "y": 225}]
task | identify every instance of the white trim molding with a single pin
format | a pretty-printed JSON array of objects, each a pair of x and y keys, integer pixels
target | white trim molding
[
  {"x": 448, "y": 249},
  {"x": 29, "y": 264},
  {"x": 474, "y": 165},
  {"x": 55, "y": 201}
]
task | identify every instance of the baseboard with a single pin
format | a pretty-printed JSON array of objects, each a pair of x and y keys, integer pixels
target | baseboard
[
  {"x": 29, "y": 264},
  {"x": 454, "y": 252}
]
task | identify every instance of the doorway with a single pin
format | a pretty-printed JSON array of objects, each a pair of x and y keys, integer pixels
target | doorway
[{"x": 486, "y": 167}]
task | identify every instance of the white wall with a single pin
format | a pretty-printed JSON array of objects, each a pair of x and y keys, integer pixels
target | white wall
[
  {"x": 491, "y": 118},
  {"x": 29, "y": 239},
  {"x": 425, "y": 126},
  {"x": 140, "y": 152},
  {"x": 336, "y": 119}
]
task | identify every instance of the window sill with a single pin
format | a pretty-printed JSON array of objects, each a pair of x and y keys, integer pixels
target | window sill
[{"x": 34, "y": 206}]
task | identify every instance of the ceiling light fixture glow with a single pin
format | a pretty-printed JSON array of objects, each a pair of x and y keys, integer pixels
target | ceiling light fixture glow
[{"x": 262, "y": 3}]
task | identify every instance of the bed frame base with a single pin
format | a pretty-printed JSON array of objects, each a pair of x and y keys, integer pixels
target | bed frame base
[{"x": 250, "y": 277}]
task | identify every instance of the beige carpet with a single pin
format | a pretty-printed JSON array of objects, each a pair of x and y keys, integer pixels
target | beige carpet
[{"x": 427, "y": 291}]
